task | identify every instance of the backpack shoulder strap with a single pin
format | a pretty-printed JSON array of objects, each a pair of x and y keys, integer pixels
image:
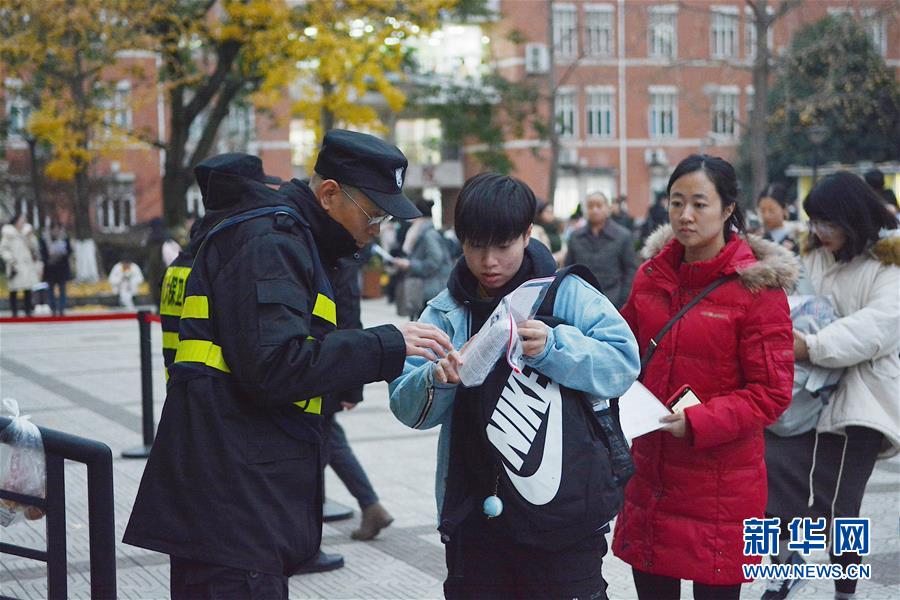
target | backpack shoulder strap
[{"x": 546, "y": 308}]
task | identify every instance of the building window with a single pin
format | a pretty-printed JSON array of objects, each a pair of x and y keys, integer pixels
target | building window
[
  {"x": 663, "y": 112},
  {"x": 17, "y": 108},
  {"x": 195, "y": 201},
  {"x": 565, "y": 114},
  {"x": 663, "y": 42},
  {"x": 749, "y": 94},
  {"x": 33, "y": 213},
  {"x": 750, "y": 32},
  {"x": 121, "y": 105},
  {"x": 723, "y": 33},
  {"x": 874, "y": 24},
  {"x": 598, "y": 30},
  {"x": 600, "y": 116},
  {"x": 303, "y": 142},
  {"x": 565, "y": 30},
  {"x": 237, "y": 129},
  {"x": 115, "y": 211},
  {"x": 724, "y": 113},
  {"x": 419, "y": 140}
]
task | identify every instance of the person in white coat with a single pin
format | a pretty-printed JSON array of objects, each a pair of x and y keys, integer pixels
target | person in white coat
[
  {"x": 125, "y": 278},
  {"x": 19, "y": 251},
  {"x": 853, "y": 253}
]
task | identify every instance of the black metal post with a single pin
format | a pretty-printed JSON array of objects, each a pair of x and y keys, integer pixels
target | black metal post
[
  {"x": 102, "y": 521},
  {"x": 146, "y": 388},
  {"x": 57, "y": 582},
  {"x": 59, "y": 447}
]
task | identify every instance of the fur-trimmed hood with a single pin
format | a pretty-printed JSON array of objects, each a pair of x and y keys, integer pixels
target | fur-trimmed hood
[
  {"x": 887, "y": 249},
  {"x": 776, "y": 267}
]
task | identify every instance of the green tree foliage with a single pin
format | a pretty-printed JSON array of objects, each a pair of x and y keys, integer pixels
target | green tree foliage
[
  {"x": 833, "y": 76},
  {"x": 486, "y": 113}
]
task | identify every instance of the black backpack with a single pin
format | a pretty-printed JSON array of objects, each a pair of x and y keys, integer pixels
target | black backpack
[{"x": 549, "y": 456}]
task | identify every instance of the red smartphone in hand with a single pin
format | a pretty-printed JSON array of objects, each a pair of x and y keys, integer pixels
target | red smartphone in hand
[{"x": 682, "y": 399}]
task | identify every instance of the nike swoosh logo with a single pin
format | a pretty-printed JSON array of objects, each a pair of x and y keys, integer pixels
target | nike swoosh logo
[{"x": 513, "y": 427}]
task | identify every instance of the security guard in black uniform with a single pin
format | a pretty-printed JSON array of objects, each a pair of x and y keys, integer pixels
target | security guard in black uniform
[
  {"x": 232, "y": 490},
  {"x": 172, "y": 294}
]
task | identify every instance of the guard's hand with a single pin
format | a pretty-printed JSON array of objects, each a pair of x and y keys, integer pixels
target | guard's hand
[
  {"x": 446, "y": 370},
  {"x": 676, "y": 424},
  {"x": 348, "y": 405},
  {"x": 425, "y": 340},
  {"x": 401, "y": 263},
  {"x": 533, "y": 334},
  {"x": 801, "y": 350}
]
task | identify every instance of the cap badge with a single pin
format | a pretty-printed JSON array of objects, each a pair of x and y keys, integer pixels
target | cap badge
[{"x": 398, "y": 173}]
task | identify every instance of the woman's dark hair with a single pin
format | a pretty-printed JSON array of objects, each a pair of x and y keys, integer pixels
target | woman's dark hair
[
  {"x": 847, "y": 201},
  {"x": 775, "y": 191},
  {"x": 723, "y": 177},
  {"x": 493, "y": 209}
]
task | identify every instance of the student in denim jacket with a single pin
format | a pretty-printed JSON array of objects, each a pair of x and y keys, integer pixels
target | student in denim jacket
[{"x": 595, "y": 353}]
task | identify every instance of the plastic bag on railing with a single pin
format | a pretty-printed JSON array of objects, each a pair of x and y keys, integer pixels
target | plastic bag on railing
[{"x": 22, "y": 466}]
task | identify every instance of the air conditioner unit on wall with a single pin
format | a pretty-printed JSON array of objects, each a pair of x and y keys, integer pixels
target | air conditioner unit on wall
[
  {"x": 568, "y": 157},
  {"x": 537, "y": 59}
]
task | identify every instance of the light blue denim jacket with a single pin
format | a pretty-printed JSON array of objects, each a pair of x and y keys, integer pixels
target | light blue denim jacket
[{"x": 595, "y": 353}]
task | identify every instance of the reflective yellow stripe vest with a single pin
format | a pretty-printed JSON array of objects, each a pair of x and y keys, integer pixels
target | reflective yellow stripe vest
[{"x": 195, "y": 343}]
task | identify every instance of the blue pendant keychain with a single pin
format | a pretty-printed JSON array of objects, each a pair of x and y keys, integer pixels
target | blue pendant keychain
[{"x": 493, "y": 505}]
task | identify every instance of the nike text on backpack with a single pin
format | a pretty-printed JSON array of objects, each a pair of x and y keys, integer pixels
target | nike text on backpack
[{"x": 549, "y": 457}]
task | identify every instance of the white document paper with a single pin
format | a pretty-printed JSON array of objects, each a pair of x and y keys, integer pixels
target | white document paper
[
  {"x": 640, "y": 411},
  {"x": 499, "y": 333}
]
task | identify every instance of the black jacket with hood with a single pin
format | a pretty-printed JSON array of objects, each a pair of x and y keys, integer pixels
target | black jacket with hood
[{"x": 227, "y": 482}]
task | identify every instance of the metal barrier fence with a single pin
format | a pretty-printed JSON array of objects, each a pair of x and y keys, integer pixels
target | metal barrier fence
[
  {"x": 59, "y": 447},
  {"x": 144, "y": 318}
]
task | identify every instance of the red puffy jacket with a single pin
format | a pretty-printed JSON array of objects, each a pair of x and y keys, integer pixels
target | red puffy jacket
[{"x": 685, "y": 506}]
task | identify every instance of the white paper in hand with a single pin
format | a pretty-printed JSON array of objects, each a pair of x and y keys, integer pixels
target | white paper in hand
[
  {"x": 640, "y": 411},
  {"x": 499, "y": 333}
]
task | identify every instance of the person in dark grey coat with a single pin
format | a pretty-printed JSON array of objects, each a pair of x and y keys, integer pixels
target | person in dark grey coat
[{"x": 606, "y": 248}]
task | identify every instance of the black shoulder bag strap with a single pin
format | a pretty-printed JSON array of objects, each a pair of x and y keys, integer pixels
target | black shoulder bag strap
[{"x": 655, "y": 340}]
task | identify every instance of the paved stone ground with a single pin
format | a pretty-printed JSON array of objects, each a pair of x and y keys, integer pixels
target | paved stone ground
[{"x": 83, "y": 378}]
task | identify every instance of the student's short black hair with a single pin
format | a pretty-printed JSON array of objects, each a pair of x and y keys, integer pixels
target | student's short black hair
[
  {"x": 722, "y": 176},
  {"x": 493, "y": 209},
  {"x": 848, "y": 202}
]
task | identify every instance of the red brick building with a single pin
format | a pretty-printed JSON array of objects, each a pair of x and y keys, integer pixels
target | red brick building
[
  {"x": 127, "y": 181},
  {"x": 641, "y": 84}
]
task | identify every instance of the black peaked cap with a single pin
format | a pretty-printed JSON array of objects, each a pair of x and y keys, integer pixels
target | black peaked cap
[{"x": 370, "y": 164}]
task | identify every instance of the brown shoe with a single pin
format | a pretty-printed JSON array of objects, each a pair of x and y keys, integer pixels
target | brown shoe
[{"x": 374, "y": 519}]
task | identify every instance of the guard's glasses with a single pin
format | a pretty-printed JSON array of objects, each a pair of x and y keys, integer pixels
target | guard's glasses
[{"x": 372, "y": 220}]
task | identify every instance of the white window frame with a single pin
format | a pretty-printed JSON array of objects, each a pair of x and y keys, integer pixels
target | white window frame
[
  {"x": 194, "y": 200},
  {"x": 122, "y": 116},
  {"x": 565, "y": 30},
  {"x": 725, "y": 112},
  {"x": 17, "y": 109},
  {"x": 663, "y": 101},
  {"x": 26, "y": 205},
  {"x": 724, "y": 23},
  {"x": 600, "y": 112},
  {"x": 106, "y": 211},
  {"x": 662, "y": 31},
  {"x": 875, "y": 26},
  {"x": 566, "y": 109},
  {"x": 599, "y": 30},
  {"x": 238, "y": 129},
  {"x": 750, "y": 32}
]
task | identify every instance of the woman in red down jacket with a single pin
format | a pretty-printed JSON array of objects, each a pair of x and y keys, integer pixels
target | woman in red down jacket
[{"x": 699, "y": 477}]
